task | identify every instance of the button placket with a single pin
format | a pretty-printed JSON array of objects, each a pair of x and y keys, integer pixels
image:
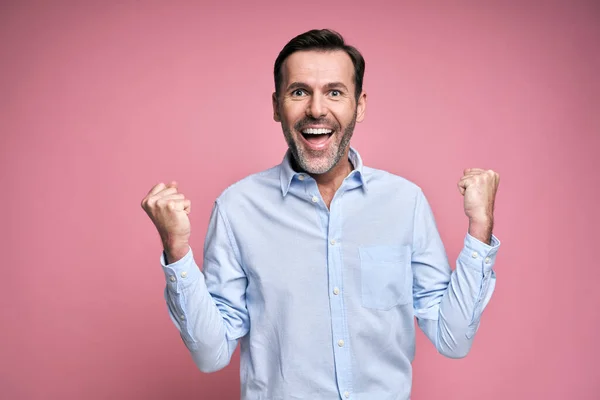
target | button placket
[{"x": 342, "y": 356}]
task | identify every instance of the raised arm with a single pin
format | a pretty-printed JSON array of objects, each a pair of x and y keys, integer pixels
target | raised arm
[
  {"x": 449, "y": 304},
  {"x": 209, "y": 307}
]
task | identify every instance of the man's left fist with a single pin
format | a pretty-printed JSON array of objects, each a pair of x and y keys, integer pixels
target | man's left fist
[{"x": 479, "y": 188}]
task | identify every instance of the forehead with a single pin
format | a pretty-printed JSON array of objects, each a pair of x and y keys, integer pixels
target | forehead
[{"x": 318, "y": 68}]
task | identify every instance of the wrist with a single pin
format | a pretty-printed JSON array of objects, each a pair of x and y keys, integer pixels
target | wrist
[
  {"x": 175, "y": 250},
  {"x": 483, "y": 220},
  {"x": 481, "y": 228}
]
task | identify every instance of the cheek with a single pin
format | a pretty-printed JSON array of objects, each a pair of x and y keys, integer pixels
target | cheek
[
  {"x": 343, "y": 112},
  {"x": 291, "y": 113}
]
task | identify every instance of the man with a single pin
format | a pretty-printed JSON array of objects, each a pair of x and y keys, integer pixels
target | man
[{"x": 318, "y": 266}]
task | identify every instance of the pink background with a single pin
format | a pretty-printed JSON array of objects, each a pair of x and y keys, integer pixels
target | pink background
[{"x": 100, "y": 102}]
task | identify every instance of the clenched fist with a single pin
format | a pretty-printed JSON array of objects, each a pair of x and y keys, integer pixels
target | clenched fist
[
  {"x": 479, "y": 188},
  {"x": 168, "y": 209}
]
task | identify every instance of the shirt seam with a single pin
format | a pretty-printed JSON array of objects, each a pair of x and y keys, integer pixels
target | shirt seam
[
  {"x": 417, "y": 198},
  {"x": 232, "y": 241}
]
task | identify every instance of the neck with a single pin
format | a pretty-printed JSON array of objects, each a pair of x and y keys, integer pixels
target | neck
[{"x": 330, "y": 181}]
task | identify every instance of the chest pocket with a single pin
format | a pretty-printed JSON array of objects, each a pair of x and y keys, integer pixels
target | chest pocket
[{"x": 386, "y": 276}]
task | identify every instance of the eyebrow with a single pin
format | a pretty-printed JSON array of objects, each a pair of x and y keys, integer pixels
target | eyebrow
[
  {"x": 336, "y": 85},
  {"x": 328, "y": 86}
]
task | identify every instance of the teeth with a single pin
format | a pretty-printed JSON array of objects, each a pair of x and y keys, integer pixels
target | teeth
[{"x": 313, "y": 131}]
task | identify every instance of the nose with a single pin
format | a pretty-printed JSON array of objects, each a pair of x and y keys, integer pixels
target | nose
[{"x": 316, "y": 107}]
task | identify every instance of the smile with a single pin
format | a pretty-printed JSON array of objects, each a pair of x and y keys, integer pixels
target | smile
[{"x": 316, "y": 138}]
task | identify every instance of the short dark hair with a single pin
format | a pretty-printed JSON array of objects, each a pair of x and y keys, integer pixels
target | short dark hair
[{"x": 321, "y": 40}]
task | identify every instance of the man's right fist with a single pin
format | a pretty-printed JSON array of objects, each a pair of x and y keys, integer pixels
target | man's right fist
[{"x": 168, "y": 209}]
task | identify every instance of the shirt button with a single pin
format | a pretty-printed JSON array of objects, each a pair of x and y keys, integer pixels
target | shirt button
[
  {"x": 332, "y": 241},
  {"x": 184, "y": 274},
  {"x": 172, "y": 278},
  {"x": 315, "y": 199},
  {"x": 341, "y": 343},
  {"x": 346, "y": 394},
  {"x": 301, "y": 177},
  {"x": 488, "y": 260},
  {"x": 182, "y": 317},
  {"x": 474, "y": 255},
  {"x": 336, "y": 291}
]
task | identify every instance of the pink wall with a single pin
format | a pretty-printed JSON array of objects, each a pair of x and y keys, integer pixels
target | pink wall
[{"x": 100, "y": 102}]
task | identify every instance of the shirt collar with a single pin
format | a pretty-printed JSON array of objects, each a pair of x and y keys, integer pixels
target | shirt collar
[{"x": 287, "y": 173}]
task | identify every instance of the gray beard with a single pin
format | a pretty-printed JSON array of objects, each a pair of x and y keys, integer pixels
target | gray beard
[{"x": 302, "y": 161}]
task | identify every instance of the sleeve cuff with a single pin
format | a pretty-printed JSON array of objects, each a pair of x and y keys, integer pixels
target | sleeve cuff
[
  {"x": 480, "y": 255},
  {"x": 182, "y": 273}
]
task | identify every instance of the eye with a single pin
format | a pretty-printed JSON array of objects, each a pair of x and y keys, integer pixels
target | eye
[
  {"x": 298, "y": 92},
  {"x": 335, "y": 93}
]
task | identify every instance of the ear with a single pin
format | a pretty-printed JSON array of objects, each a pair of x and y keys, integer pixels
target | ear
[
  {"x": 361, "y": 107},
  {"x": 276, "y": 116}
]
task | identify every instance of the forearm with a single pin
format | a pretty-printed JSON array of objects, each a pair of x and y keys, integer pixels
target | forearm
[
  {"x": 468, "y": 293},
  {"x": 453, "y": 325},
  {"x": 469, "y": 290},
  {"x": 195, "y": 314}
]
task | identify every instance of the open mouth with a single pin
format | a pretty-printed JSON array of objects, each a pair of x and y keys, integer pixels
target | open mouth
[{"x": 316, "y": 136}]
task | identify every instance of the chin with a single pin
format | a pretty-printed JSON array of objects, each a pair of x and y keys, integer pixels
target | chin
[
  {"x": 317, "y": 166},
  {"x": 313, "y": 161}
]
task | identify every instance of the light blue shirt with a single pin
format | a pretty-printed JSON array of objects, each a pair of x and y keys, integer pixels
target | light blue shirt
[{"x": 323, "y": 300}]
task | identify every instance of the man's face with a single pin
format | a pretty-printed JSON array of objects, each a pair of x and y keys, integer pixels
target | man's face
[{"x": 317, "y": 107}]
